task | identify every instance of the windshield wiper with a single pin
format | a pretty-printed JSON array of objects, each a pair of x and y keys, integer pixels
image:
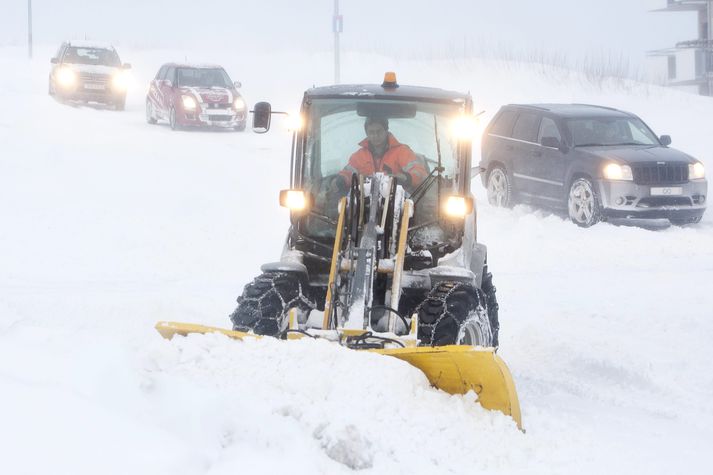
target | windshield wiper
[{"x": 591, "y": 145}]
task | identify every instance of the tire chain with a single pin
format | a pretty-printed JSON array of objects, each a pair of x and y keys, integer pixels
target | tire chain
[
  {"x": 445, "y": 313},
  {"x": 300, "y": 300}
]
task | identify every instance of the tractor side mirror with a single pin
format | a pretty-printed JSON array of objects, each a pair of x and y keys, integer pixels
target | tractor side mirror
[
  {"x": 262, "y": 114},
  {"x": 665, "y": 140},
  {"x": 54, "y": 60}
]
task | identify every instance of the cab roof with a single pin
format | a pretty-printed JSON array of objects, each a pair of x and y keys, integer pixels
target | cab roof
[
  {"x": 376, "y": 91},
  {"x": 90, "y": 44}
]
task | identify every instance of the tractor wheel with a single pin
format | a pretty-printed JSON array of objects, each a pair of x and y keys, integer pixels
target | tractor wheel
[
  {"x": 491, "y": 304},
  {"x": 455, "y": 313},
  {"x": 266, "y": 301}
]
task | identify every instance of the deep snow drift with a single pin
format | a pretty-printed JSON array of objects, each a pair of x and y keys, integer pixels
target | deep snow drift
[{"x": 109, "y": 225}]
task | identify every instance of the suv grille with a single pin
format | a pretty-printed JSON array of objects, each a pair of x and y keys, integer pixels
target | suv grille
[
  {"x": 660, "y": 174},
  {"x": 93, "y": 77}
]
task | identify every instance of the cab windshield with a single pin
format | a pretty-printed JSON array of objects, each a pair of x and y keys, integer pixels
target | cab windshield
[
  {"x": 336, "y": 131},
  {"x": 203, "y": 77}
]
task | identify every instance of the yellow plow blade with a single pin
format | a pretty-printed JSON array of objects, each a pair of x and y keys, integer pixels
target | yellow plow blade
[
  {"x": 169, "y": 329},
  {"x": 455, "y": 369}
]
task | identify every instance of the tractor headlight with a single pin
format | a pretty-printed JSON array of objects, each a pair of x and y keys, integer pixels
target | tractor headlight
[
  {"x": 66, "y": 77},
  {"x": 465, "y": 127},
  {"x": 120, "y": 81},
  {"x": 696, "y": 171},
  {"x": 189, "y": 103},
  {"x": 614, "y": 171},
  {"x": 294, "y": 122},
  {"x": 458, "y": 206},
  {"x": 239, "y": 104},
  {"x": 295, "y": 200}
]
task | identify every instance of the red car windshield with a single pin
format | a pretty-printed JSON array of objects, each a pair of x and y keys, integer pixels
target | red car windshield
[{"x": 194, "y": 77}]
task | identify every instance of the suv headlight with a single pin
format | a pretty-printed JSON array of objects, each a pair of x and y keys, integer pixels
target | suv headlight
[
  {"x": 614, "y": 171},
  {"x": 189, "y": 103},
  {"x": 66, "y": 76},
  {"x": 120, "y": 81},
  {"x": 239, "y": 103},
  {"x": 696, "y": 171}
]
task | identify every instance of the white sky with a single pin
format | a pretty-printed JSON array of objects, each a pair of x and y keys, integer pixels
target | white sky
[{"x": 416, "y": 27}]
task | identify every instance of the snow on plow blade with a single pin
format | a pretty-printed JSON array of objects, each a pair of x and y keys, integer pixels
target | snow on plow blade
[{"x": 455, "y": 369}]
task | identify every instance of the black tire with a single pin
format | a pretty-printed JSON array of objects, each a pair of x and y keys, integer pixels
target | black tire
[
  {"x": 492, "y": 306},
  {"x": 240, "y": 128},
  {"x": 266, "y": 301},
  {"x": 685, "y": 221},
  {"x": 583, "y": 204},
  {"x": 499, "y": 187},
  {"x": 120, "y": 105},
  {"x": 172, "y": 119},
  {"x": 150, "y": 119},
  {"x": 454, "y": 313}
]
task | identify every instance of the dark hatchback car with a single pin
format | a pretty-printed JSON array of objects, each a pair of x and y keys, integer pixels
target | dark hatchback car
[
  {"x": 89, "y": 72},
  {"x": 595, "y": 162}
]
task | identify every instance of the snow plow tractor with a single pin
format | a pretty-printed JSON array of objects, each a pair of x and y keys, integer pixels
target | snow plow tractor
[{"x": 382, "y": 252}]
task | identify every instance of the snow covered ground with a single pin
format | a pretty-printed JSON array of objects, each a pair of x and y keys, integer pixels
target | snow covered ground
[{"x": 109, "y": 224}]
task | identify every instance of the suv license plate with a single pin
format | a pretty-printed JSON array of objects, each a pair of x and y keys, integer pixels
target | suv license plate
[
  {"x": 667, "y": 191},
  {"x": 96, "y": 87}
]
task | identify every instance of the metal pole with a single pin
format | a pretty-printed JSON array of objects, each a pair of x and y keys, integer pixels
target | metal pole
[
  {"x": 29, "y": 28},
  {"x": 336, "y": 26}
]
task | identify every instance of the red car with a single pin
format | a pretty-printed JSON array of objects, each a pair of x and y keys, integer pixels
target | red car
[{"x": 195, "y": 96}]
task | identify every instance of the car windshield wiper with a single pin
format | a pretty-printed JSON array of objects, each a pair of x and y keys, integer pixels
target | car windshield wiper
[
  {"x": 631, "y": 143},
  {"x": 591, "y": 145}
]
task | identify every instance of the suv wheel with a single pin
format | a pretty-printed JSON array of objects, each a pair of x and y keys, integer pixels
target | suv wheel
[
  {"x": 499, "y": 188},
  {"x": 149, "y": 113},
  {"x": 583, "y": 203}
]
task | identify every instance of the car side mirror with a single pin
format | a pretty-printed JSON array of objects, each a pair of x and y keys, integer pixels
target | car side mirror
[
  {"x": 551, "y": 142},
  {"x": 126, "y": 66},
  {"x": 166, "y": 82},
  {"x": 262, "y": 115},
  {"x": 665, "y": 140},
  {"x": 237, "y": 84},
  {"x": 54, "y": 60}
]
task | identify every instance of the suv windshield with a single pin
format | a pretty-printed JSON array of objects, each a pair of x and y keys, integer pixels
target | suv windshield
[
  {"x": 336, "y": 131},
  {"x": 604, "y": 131},
  {"x": 95, "y": 56},
  {"x": 202, "y": 77}
]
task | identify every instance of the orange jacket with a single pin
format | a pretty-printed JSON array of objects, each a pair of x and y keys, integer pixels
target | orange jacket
[{"x": 399, "y": 158}]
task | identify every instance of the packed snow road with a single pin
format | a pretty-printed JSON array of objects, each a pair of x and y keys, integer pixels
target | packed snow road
[{"x": 110, "y": 224}]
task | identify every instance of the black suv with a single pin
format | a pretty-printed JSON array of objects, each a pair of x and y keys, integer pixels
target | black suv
[
  {"x": 91, "y": 72},
  {"x": 596, "y": 162}
]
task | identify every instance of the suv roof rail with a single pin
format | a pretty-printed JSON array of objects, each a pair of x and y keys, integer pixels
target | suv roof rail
[
  {"x": 531, "y": 106},
  {"x": 598, "y": 106}
]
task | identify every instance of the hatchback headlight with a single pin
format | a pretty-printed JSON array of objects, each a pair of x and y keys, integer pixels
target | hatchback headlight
[
  {"x": 614, "y": 171},
  {"x": 239, "y": 103},
  {"x": 696, "y": 171},
  {"x": 189, "y": 103}
]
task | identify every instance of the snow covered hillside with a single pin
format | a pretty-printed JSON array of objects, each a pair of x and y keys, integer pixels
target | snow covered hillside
[{"x": 109, "y": 224}]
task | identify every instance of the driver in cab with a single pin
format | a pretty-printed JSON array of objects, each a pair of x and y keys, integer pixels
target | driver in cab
[{"x": 381, "y": 152}]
